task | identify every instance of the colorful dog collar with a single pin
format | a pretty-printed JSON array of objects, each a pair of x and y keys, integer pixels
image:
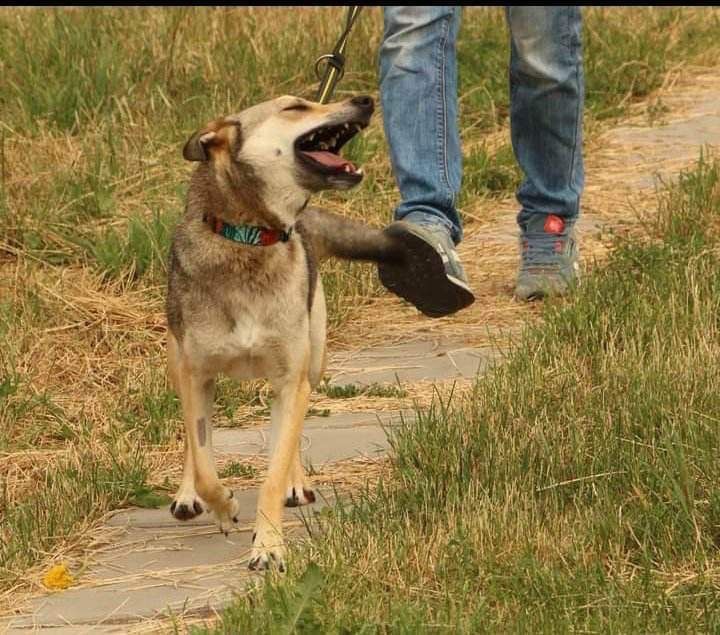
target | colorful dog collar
[{"x": 247, "y": 234}]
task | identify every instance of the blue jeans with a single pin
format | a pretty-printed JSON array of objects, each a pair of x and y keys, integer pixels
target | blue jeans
[{"x": 418, "y": 85}]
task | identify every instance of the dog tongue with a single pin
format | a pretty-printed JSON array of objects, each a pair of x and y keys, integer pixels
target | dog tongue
[{"x": 331, "y": 160}]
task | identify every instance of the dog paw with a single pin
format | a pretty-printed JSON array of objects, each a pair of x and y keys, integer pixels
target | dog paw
[
  {"x": 268, "y": 553},
  {"x": 297, "y": 496},
  {"x": 226, "y": 514},
  {"x": 184, "y": 508}
]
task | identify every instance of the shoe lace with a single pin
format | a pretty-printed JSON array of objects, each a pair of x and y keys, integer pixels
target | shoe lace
[{"x": 542, "y": 249}]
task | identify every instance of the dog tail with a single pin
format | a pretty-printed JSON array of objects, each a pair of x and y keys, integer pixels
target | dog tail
[{"x": 334, "y": 235}]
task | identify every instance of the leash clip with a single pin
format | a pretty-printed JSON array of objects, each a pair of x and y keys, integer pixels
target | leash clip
[{"x": 336, "y": 60}]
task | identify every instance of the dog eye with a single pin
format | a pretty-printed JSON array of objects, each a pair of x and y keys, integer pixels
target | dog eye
[{"x": 297, "y": 107}]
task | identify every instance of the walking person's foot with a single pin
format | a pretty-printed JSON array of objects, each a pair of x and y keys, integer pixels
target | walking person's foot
[
  {"x": 548, "y": 258},
  {"x": 430, "y": 276}
]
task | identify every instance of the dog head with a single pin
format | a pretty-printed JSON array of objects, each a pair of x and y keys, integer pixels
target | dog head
[{"x": 290, "y": 146}]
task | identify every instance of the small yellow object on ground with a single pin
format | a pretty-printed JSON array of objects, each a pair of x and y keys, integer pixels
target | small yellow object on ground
[{"x": 58, "y": 577}]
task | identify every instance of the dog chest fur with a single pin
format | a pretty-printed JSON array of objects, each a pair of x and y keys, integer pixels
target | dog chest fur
[
  {"x": 252, "y": 337},
  {"x": 239, "y": 308}
]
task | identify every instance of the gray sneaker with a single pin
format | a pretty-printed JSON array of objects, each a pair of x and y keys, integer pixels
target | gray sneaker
[
  {"x": 548, "y": 258},
  {"x": 430, "y": 275}
]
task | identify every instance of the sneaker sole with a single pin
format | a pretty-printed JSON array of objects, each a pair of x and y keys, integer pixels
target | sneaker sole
[
  {"x": 548, "y": 289},
  {"x": 421, "y": 278}
]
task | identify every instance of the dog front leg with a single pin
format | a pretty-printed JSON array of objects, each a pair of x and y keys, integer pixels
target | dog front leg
[
  {"x": 187, "y": 503},
  {"x": 288, "y": 414},
  {"x": 196, "y": 395},
  {"x": 297, "y": 491}
]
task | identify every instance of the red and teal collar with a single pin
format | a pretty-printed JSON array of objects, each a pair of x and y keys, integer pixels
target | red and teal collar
[{"x": 247, "y": 234}]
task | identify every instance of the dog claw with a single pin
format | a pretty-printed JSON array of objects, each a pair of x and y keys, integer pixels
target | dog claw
[{"x": 268, "y": 551}]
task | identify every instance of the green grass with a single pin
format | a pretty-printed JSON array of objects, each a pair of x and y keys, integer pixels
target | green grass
[
  {"x": 349, "y": 391},
  {"x": 62, "y": 498},
  {"x": 95, "y": 105},
  {"x": 574, "y": 489},
  {"x": 236, "y": 469},
  {"x": 489, "y": 173},
  {"x": 153, "y": 411},
  {"x": 108, "y": 120},
  {"x": 139, "y": 249}
]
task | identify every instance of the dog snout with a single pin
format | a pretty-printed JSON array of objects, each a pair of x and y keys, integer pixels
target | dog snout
[{"x": 364, "y": 102}]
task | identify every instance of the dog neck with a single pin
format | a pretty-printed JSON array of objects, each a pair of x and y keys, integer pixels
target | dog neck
[{"x": 238, "y": 197}]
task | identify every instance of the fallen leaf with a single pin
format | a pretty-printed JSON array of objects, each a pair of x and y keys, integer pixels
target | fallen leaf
[{"x": 58, "y": 577}]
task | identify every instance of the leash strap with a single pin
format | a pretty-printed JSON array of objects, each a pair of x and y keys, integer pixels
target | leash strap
[
  {"x": 247, "y": 234},
  {"x": 335, "y": 61}
]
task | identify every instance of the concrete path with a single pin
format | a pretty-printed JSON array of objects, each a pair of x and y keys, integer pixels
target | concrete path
[
  {"x": 151, "y": 566},
  {"x": 148, "y": 566}
]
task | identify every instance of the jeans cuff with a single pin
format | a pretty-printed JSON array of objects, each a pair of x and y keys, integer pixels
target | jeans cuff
[{"x": 429, "y": 219}]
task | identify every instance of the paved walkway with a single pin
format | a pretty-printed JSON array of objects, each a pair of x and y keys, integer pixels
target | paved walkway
[{"x": 146, "y": 566}]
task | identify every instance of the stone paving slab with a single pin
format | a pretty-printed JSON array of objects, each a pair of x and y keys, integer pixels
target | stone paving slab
[
  {"x": 140, "y": 599},
  {"x": 140, "y": 518},
  {"x": 433, "y": 359},
  {"x": 151, "y": 550},
  {"x": 154, "y": 565},
  {"x": 339, "y": 437}
]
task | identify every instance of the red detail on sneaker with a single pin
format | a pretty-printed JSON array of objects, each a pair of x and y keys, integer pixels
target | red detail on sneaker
[
  {"x": 559, "y": 246},
  {"x": 554, "y": 224}
]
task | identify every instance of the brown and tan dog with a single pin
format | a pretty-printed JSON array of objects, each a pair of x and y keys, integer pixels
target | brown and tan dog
[{"x": 243, "y": 295}]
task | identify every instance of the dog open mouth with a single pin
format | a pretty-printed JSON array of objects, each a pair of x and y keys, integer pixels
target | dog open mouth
[{"x": 320, "y": 148}]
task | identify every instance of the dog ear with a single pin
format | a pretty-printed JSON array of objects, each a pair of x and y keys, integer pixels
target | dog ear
[{"x": 196, "y": 148}]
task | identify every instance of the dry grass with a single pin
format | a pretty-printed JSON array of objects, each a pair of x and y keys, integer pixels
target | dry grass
[{"x": 91, "y": 178}]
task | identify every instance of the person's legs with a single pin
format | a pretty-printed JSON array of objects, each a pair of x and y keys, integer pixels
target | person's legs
[
  {"x": 418, "y": 89},
  {"x": 418, "y": 86},
  {"x": 546, "y": 112}
]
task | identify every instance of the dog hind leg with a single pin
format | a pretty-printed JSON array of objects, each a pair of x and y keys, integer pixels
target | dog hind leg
[{"x": 298, "y": 491}]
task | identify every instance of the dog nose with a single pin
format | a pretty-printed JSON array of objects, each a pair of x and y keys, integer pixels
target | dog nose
[{"x": 364, "y": 102}]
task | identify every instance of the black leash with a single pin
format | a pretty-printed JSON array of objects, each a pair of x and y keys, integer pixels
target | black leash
[{"x": 335, "y": 61}]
